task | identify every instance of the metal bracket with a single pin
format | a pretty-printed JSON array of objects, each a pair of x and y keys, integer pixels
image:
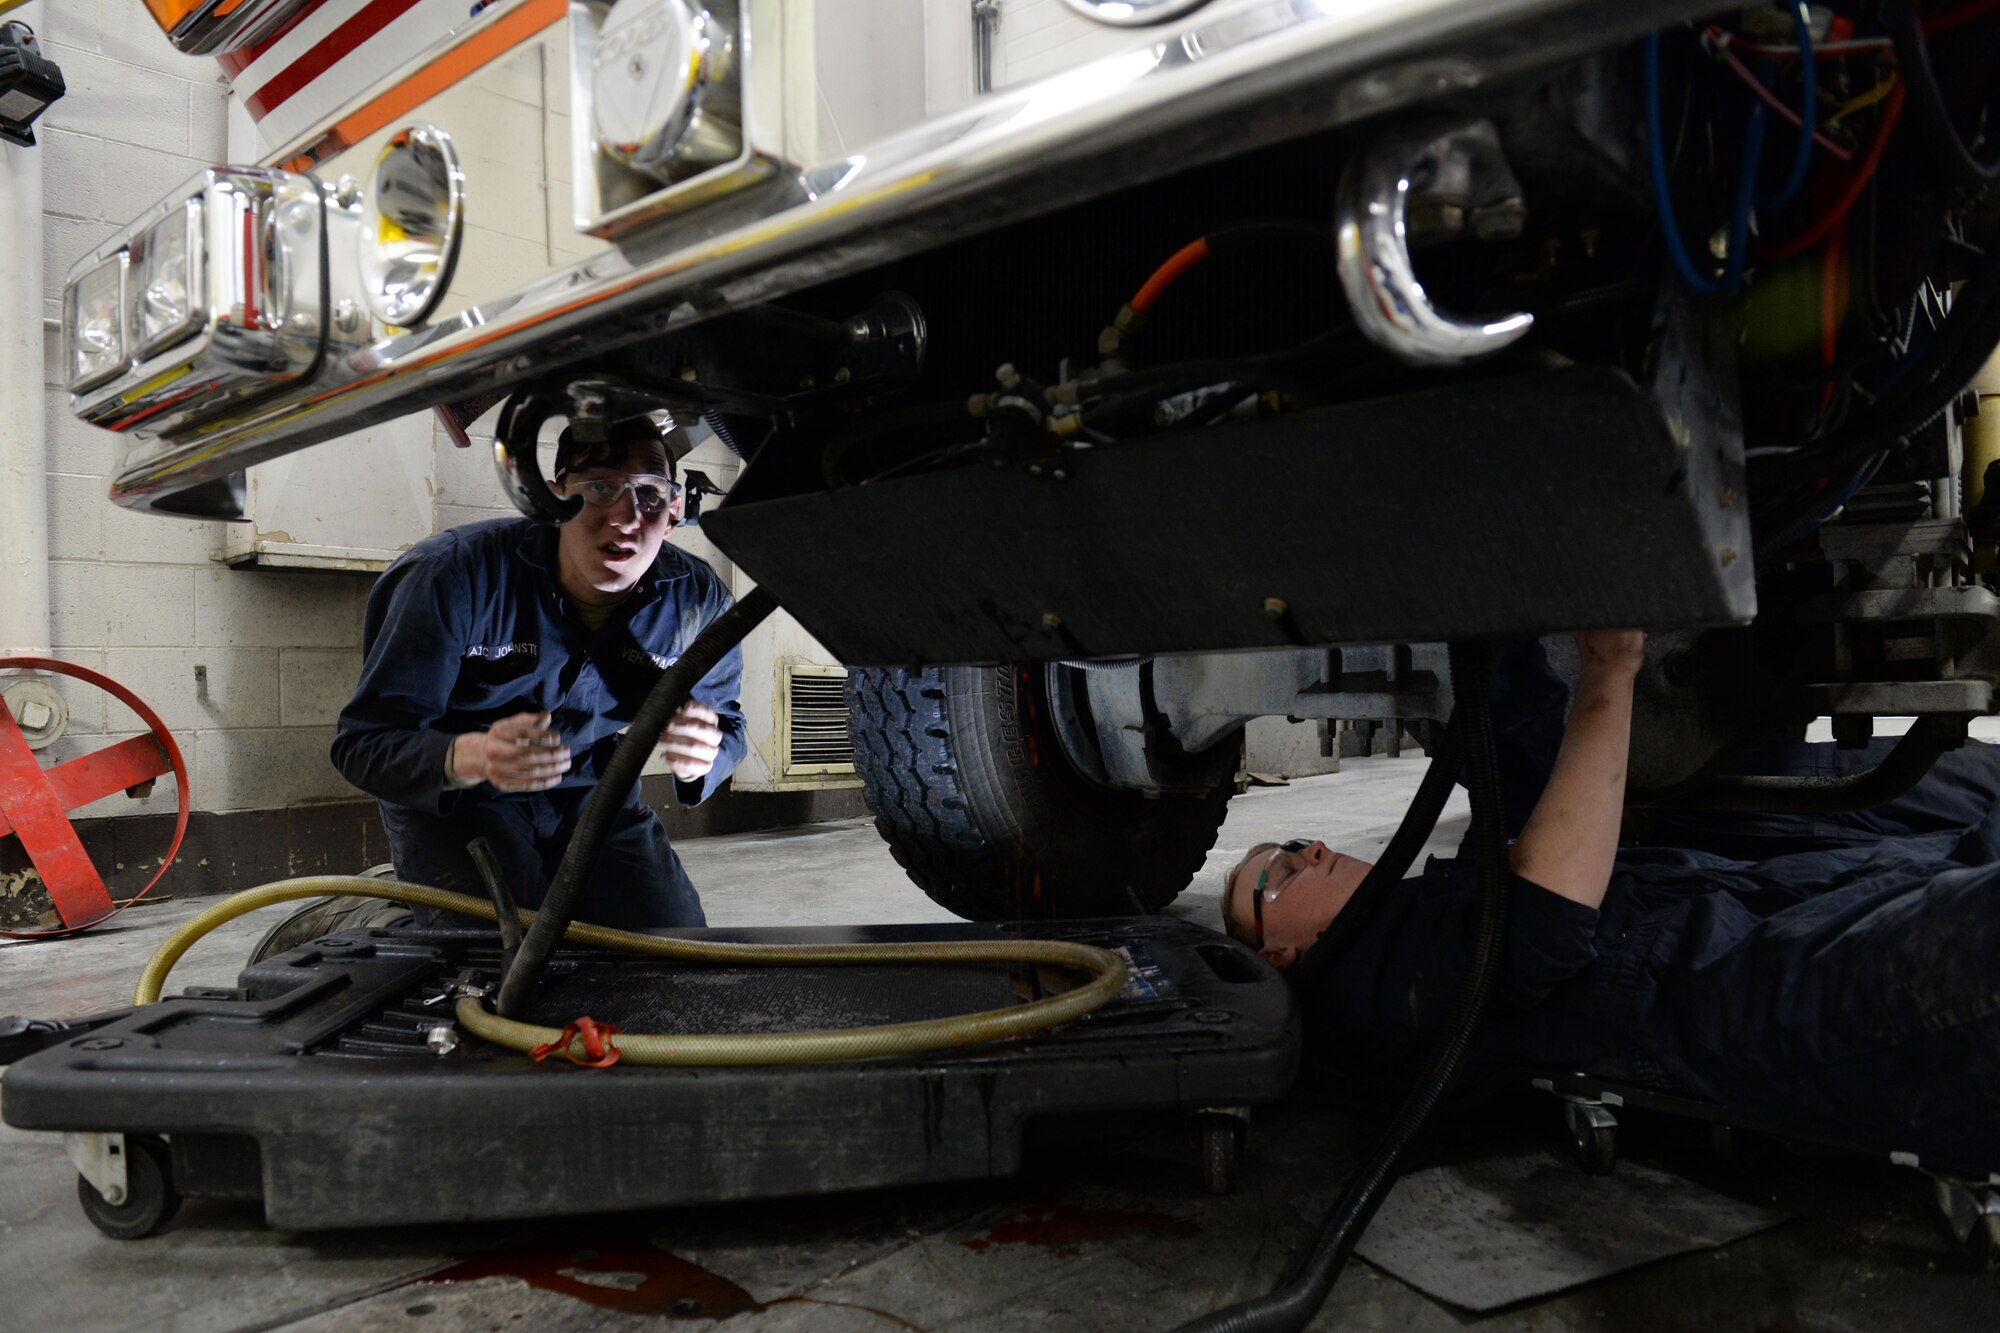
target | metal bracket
[
  {"x": 100, "y": 1159},
  {"x": 1584, "y": 1116}
]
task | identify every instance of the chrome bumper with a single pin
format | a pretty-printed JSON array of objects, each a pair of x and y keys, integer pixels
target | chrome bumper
[{"x": 804, "y": 206}]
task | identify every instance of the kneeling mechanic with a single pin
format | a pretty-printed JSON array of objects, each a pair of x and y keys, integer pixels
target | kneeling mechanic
[{"x": 504, "y": 658}]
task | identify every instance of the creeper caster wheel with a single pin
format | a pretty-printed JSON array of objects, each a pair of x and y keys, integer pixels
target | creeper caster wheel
[
  {"x": 1593, "y": 1135},
  {"x": 1219, "y": 1135},
  {"x": 148, "y": 1201}
]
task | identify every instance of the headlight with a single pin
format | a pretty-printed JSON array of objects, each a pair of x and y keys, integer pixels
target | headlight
[
  {"x": 412, "y": 220},
  {"x": 94, "y": 321},
  {"x": 167, "y": 280},
  {"x": 220, "y": 295}
]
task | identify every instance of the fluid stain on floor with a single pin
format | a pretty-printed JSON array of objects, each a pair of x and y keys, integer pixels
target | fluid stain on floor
[
  {"x": 1065, "y": 1228},
  {"x": 643, "y": 1282}
]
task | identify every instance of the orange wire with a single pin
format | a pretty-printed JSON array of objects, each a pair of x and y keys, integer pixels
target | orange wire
[{"x": 1165, "y": 275}]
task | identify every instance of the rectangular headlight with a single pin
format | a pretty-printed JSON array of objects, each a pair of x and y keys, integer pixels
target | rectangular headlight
[
  {"x": 94, "y": 324},
  {"x": 167, "y": 280},
  {"x": 220, "y": 295}
]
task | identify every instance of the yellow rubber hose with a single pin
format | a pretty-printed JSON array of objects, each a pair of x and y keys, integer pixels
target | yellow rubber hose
[{"x": 777, "y": 1048}]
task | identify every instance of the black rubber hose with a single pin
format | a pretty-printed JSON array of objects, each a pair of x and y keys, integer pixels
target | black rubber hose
[
  {"x": 1913, "y": 58},
  {"x": 487, "y": 862},
  {"x": 1419, "y": 821},
  {"x": 1294, "y": 1303},
  {"x": 673, "y": 689}
]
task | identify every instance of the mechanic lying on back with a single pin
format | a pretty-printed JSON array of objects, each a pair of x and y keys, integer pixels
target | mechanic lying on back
[
  {"x": 1846, "y": 987},
  {"x": 502, "y": 660}
]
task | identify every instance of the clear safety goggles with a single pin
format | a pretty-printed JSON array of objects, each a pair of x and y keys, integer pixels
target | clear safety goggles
[{"x": 651, "y": 494}]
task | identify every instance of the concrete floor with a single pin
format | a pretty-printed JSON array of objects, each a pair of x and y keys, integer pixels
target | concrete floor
[{"x": 1109, "y": 1231}]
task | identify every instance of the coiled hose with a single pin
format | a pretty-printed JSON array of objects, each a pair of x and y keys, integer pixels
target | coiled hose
[
  {"x": 1294, "y": 1303},
  {"x": 776, "y": 1048},
  {"x": 554, "y": 923}
]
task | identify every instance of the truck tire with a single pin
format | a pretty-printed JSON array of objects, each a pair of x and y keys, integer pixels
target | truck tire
[{"x": 979, "y": 803}]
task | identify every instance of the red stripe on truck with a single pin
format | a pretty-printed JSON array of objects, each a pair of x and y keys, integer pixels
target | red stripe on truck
[
  {"x": 336, "y": 45},
  {"x": 235, "y": 62}
]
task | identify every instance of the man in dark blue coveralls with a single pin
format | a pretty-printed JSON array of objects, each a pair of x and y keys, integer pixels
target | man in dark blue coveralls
[
  {"x": 1834, "y": 976},
  {"x": 503, "y": 659}
]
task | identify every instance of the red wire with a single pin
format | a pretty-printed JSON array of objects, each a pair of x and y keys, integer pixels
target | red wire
[
  {"x": 1165, "y": 275},
  {"x": 1950, "y": 19},
  {"x": 1892, "y": 110}
]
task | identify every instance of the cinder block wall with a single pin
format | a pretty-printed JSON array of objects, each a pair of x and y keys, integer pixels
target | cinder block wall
[{"x": 247, "y": 668}]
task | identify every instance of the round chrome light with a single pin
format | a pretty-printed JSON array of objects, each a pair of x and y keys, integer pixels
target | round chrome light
[
  {"x": 662, "y": 100},
  {"x": 412, "y": 221}
]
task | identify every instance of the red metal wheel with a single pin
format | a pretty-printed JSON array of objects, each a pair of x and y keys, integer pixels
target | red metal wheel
[{"x": 35, "y": 803}]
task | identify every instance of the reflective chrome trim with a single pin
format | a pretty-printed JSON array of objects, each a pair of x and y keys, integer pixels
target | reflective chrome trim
[
  {"x": 520, "y": 472},
  {"x": 1372, "y": 248},
  {"x": 217, "y": 27},
  {"x": 1133, "y": 13},
  {"x": 1237, "y": 77}
]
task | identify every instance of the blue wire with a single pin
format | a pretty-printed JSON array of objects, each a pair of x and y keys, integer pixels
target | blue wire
[
  {"x": 1862, "y": 476},
  {"x": 1808, "y": 114},
  {"x": 1911, "y": 357},
  {"x": 1746, "y": 190},
  {"x": 1670, "y": 230},
  {"x": 1746, "y": 186}
]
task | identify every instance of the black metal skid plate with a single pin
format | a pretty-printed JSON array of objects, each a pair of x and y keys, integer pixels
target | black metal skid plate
[
  {"x": 311, "y": 1086},
  {"x": 1558, "y": 500}
]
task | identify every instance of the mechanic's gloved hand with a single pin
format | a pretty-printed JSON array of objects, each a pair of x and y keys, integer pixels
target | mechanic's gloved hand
[
  {"x": 691, "y": 742},
  {"x": 518, "y": 753}
]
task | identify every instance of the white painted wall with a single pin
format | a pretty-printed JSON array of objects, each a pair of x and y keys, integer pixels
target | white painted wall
[
  {"x": 144, "y": 599},
  {"x": 1288, "y": 749},
  {"x": 1042, "y": 37}
]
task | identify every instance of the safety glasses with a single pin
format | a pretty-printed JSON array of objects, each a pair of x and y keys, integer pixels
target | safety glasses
[
  {"x": 651, "y": 494},
  {"x": 1263, "y": 878}
]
